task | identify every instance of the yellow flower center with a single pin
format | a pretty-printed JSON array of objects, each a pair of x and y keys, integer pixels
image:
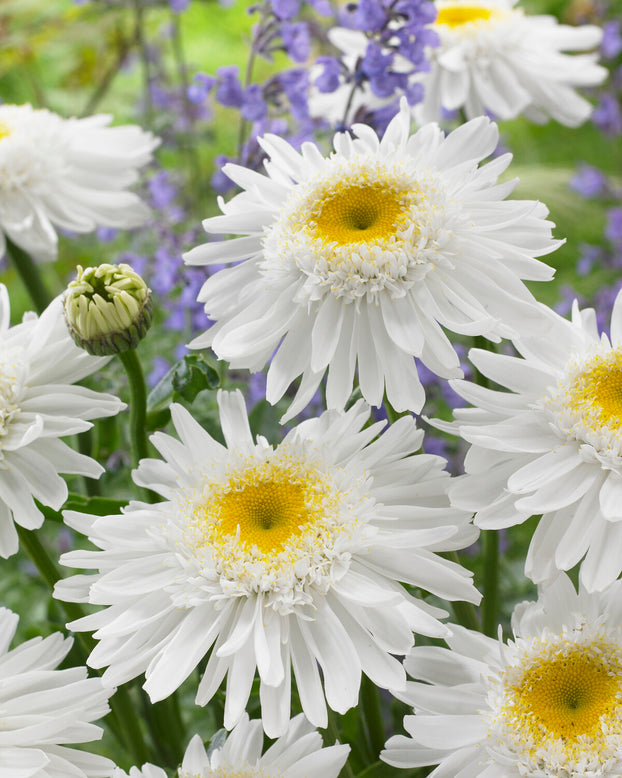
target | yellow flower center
[
  {"x": 5, "y": 130},
  {"x": 457, "y": 15},
  {"x": 596, "y": 394},
  {"x": 267, "y": 513},
  {"x": 355, "y": 214},
  {"x": 568, "y": 696},
  {"x": 244, "y": 770},
  {"x": 562, "y": 704},
  {"x": 271, "y": 519}
]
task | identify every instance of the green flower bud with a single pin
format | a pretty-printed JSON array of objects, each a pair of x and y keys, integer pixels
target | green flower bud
[{"x": 107, "y": 309}]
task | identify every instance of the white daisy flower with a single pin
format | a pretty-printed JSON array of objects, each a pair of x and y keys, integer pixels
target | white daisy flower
[
  {"x": 547, "y": 704},
  {"x": 495, "y": 58},
  {"x": 275, "y": 558},
  {"x": 39, "y": 362},
  {"x": 69, "y": 173},
  {"x": 43, "y": 710},
  {"x": 551, "y": 445},
  {"x": 297, "y": 754},
  {"x": 363, "y": 256}
]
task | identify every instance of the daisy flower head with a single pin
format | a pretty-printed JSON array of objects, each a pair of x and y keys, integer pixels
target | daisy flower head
[
  {"x": 44, "y": 710},
  {"x": 546, "y": 704},
  {"x": 296, "y": 754},
  {"x": 364, "y": 256},
  {"x": 39, "y": 365},
  {"x": 495, "y": 58},
  {"x": 275, "y": 558},
  {"x": 68, "y": 173},
  {"x": 550, "y": 443}
]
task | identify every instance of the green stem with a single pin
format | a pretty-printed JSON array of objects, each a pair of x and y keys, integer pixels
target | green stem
[
  {"x": 490, "y": 601},
  {"x": 331, "y": 736},
  {"x": 464, "y": 612},
  {"x": 138, "y": 405},
  {"x": 124, "y": 722},
  {"x": 29, "y": 273},
  {"x": 392, "y": 414},
  {"x": 370, "y": 698}
]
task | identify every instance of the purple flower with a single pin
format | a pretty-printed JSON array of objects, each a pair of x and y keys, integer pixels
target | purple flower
[
  {"x": 162, "y": 190},
  {"x": 589, "y": 182},
  {"x": 106, "y": 234},
  {"x": 253, "y": 107},
  {"x": 285, "y": 9},
  {"x": 369, "y": 16},
  {"x": 200, "y": 88},
  {"x": 295, "y": 84},
  {"x": 159, "y": 368},
  {"x": 608, "y": 116},
  {"x": 296, "y": 40},
  {"x": 229, "y": 92},
  {"x": 590, "y": 256},
  {"x": 611, "y": 44},
  {"x": 178, "y": 6},
  {"x": 613, "y": 228},
  {"x": 329, "y": 79},
  {"x": 220, "y": 182},
  {"x": 375, "y": 62},
  {"x": 323, "y": 7}
]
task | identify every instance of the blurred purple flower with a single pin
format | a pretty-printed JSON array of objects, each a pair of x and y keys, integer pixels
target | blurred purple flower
[
  {"x": 285, "y": 9},
  {"x": 328, "y": 80},
  {"x": 369, "y": 16},
  {"x": 229, "y": 92},
  {"x": 296, "y": 40},
  {"x": 589, "y": 182},
  {"x": 613, "y": 228},
  {"x": 611, "y": 44},
  {"x": 253, "y": 107},
  {"x": 607, "y": 115}
]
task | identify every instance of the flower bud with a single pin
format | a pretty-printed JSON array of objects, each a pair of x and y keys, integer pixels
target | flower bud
[{"x": 107, "y": 309}]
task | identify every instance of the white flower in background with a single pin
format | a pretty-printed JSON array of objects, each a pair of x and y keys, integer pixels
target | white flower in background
[
  {"x": 493, "y": 57},
  {"x": 365, "y": 255},
  {"x": 67, "y": 173},
  {"x": 275, "y": 558},
  {"x": 297, "y": 754},
  {"x": 547, "y": 704},
  {"x": 44, "y": 710},
  {"x": 39, "y": 362},
  {"x": 551, "y": 445}
]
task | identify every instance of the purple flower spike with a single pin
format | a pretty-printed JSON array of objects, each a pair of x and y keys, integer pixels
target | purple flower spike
[
  {"x": 369, "y": 16},
  {"x": 229, "y": 92}
]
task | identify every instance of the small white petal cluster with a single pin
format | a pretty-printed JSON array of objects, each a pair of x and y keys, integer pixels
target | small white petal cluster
[
  {"x": 68, "y": 173},
  {"x": 39, "y": 363},
  {"x": 547, "y": 704},
  {"x": 296, "y": 754},
  {"x": 550, "y": 443},
  {"x": 365, "y": 256},
  {"x": 278, "y": 559},
  {"x": 43, "y": 710}
]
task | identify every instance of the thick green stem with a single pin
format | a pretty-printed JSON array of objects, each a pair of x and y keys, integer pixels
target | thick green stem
[
  {"x": 124, "y": 723},
  {"x": 490, "y": 602},
  {"x": 370, "y": 698},
  {"x": 29, "y": 273},
  {"x": 138, "y": 405}
]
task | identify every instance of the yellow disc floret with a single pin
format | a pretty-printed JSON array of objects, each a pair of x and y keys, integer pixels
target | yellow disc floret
[
  {"x": 562, "y": 703},
  {"x": 266, "y": 514},
  {"x": 5, "y": 130},
  {"x": 597, "y": 390},
  {"x": 352, "y": 214},
  {"x": 272, "y": 523},
  {"x": 457, "y": 15}
]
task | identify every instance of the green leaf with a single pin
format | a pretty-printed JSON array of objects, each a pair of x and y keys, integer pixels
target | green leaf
[{"x": 184, "y": 380}]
